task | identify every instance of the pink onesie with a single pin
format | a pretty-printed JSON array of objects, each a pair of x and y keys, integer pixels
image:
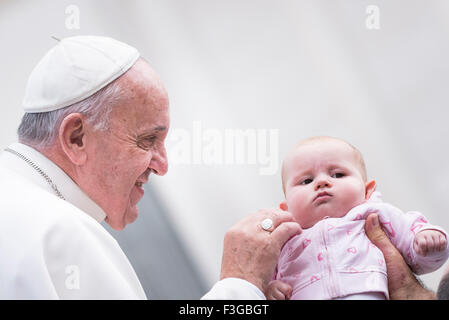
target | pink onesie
[{"x": 335, "y": 258}]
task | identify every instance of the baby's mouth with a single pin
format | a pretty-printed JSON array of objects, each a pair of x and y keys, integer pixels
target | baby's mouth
[{"x": 322, "y": 195}]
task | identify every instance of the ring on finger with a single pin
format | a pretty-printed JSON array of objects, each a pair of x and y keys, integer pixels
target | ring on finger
[{"x": 266, "y": 224}]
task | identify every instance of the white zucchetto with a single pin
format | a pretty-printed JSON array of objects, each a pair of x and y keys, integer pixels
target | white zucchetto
[{"x": 74, "y": 69}]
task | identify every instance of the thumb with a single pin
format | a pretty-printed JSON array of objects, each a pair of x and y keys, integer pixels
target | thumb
[
  {"x": 377, "y": 236},
  {"x": 284, "y": 232}
]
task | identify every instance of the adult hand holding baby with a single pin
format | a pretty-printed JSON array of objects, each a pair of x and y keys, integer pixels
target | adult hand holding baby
[
  {"x": 402, "y": 284},
  {"x": 250, "y": 251}
]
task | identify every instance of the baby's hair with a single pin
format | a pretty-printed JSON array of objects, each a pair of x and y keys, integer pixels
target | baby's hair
[{"x": 309, "y": 140}]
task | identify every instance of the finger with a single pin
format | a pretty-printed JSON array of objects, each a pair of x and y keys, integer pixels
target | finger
[
  {"x": 276, "y": 215},
  {"x": 279, "y": 216},
  {"x": 279, "y": 294},
  {"x": 282, "y": 217},
  {"x": 432, "y": 243},
  {"x": 439, "y": 241},
  {"x": 280, "y": 290},
  {"x": 284, "y": 232},
  {"x": 270, "y": 296},
  {"x": 416, "y": 247},
  {"x": 274, "y": 292},
  {"x": 422, "y": 244},
  {"x": 399, "y": 274},
  {"x": 286, "y": 289},
  {"x": 426, "y": 244},
  {"x": 442, "y": 243},
  {"x": 377, "y": 236}
]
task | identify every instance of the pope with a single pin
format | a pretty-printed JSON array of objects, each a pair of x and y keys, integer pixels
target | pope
[{"x": 96, "y": 117}]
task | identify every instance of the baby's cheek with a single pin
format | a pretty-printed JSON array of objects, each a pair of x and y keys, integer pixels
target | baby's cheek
[
  {"x": 299, "y": 212},
  {"x": 352, "y": 199}
]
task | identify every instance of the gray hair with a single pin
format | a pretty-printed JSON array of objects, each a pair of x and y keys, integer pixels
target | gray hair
[
  {"x": 40, "y": 130},
  {"x": 443, "y": 288}
]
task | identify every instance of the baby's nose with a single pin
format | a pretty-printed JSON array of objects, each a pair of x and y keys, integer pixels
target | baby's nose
[{"x": 322, "y": 183}]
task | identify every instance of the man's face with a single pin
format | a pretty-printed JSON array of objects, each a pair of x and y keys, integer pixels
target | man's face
[
  {"x": 322, "y": 179},
  {"x": 123, "y": 157}
]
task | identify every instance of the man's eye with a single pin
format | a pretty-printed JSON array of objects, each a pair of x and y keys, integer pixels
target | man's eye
[
  {"x": 338, "y": 175},
  {"x": 147, "y": 142},
  {"x": 151, "y": 139},
  {"x": 307, "y": 181}
]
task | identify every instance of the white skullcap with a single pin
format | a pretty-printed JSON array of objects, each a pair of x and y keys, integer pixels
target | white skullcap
[{"x": 74, "y": 69}]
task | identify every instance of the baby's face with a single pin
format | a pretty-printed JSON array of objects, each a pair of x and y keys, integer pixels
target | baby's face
[{"x": 322, "y": 179}]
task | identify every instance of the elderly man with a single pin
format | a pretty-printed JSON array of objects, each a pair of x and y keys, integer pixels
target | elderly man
[
  {"x": 96, "y": 117},
  {"x": 93, "y": 132}
]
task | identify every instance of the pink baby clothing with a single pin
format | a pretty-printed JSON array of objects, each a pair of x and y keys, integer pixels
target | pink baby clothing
[{"x": 335, "y": 258}]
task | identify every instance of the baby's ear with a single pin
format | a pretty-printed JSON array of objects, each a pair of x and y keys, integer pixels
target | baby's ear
[
  {"x": 370, "y": 187},
  {"x": 283, "y": 206}
]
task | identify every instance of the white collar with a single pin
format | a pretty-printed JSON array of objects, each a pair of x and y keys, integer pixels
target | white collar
[{"x": 68, "y": 188}]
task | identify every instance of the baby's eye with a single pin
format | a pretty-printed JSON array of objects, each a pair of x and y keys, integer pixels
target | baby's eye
[
  {"x": 307, "y": 181},
  {"x": 338, "y": 175}
]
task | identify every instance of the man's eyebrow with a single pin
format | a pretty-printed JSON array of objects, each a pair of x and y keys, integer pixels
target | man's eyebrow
[
  {"x": 154, "y": 130},
  {"x": 159, "y": 129},
  {"x": 150, "y": 132}
]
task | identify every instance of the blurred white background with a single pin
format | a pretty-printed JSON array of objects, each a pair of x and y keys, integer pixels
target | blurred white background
[{"x": 302, "y": 68}]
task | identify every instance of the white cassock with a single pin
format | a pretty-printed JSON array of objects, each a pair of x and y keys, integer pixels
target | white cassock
[{"x": 52, "y": 248}]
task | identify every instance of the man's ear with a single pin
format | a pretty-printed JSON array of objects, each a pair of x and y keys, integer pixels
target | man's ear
[
  {"x": 72, "y": 136},
  {"x": 283, "y": 206},
  {"x": 370, "y": 187}
]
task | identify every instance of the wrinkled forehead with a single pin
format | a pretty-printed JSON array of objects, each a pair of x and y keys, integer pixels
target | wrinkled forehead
[
  {"x": 142, "y": 81},
  {"x": 145, "y": 100}
]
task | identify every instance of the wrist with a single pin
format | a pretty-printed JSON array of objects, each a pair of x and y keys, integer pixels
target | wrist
[
  {"x": 413, "y": 290},
  {"x": 422, "y": 292},
  {"x": 255, "y": 282}
]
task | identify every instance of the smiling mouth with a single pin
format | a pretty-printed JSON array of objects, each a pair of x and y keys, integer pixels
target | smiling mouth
[
  {"x": 143, "y": 178},
  {"x": 138, "y": 184}
]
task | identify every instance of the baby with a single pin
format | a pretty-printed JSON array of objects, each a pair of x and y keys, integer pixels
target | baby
[{"x": 327, "y": 191}]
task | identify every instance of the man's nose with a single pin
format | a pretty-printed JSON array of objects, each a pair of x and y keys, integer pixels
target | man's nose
[
  {"x": 159, "y": 162},
  {"x": 322, "y": 182}
]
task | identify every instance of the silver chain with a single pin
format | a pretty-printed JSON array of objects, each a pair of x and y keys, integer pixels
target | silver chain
[{"x": 39, "y": 170}]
